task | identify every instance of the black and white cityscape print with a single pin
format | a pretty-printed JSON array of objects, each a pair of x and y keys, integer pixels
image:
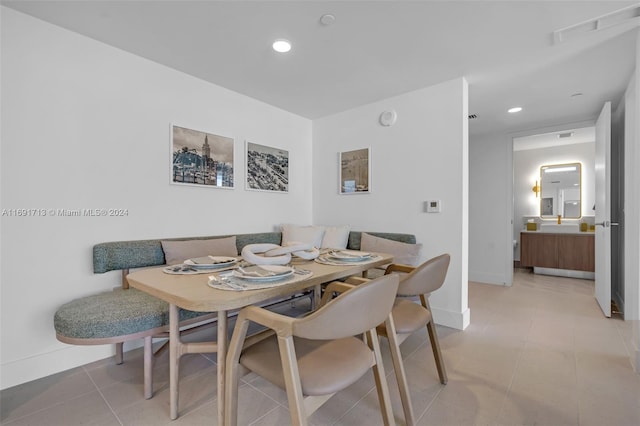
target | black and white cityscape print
[
  {"x": 267, "y": 168},
  {"x": 200, "y": 158}
]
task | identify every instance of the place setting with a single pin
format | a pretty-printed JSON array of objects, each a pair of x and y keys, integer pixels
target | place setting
[
  {"x": 345, "y": 257},
  {"x": 256, "y": 277},
  {"x": 203, "y": 265}
]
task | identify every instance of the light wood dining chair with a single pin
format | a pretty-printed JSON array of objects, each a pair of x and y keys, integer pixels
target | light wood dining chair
[
  {"x": 315, "y": 356},
  {"x": 410, "y": 317}
]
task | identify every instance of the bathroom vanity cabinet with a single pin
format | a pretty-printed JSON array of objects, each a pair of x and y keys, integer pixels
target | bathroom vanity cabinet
[{"x": 573, "y": 251}]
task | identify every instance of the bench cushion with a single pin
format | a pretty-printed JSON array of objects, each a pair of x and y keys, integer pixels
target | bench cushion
[
  {"x": 407, "y": 254},
  {"x": 115, "y": 313},
  {"x": 179, "y": 251},
  {"x": 355, "y": 238},
  {"x": 117, "y": 255}
]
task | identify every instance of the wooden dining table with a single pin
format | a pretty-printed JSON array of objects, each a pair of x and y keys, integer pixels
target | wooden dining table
[{"x": 192, "y": 292}]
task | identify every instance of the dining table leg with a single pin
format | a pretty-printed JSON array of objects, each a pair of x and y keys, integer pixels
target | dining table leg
[
  {"x": 174, "y": 359},
  {"x": 221, "y": 364}
]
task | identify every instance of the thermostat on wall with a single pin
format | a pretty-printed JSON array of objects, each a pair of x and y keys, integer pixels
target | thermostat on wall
[{"x": 432, "y": 206}]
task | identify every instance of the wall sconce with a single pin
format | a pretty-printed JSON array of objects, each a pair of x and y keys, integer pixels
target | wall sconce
[{"x": 536, "y": 189}]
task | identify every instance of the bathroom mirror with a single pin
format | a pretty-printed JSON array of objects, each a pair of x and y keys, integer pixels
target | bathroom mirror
[{"x": 560, "y": 191}]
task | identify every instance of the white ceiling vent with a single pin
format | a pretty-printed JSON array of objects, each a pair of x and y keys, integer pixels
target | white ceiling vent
[
  {"x": 627, "y": 15},
  {"x": 565, "y": 135}
]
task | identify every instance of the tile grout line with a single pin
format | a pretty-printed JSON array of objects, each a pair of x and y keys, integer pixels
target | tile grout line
[
  {"x": 12, "y": 421},
  {"x": 428, "y": 407},
  {"x": 354, "y": 405},
  {"x": 575, "y": 363},
  {"x": 278, "y": 404},
  {"x": 102, "y": 396},
  {"x": 515, "y": 370},
  {"x": 266, "y": 414}
]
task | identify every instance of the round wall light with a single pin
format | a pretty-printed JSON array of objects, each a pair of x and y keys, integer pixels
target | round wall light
[{"x": 281, "y": 45}]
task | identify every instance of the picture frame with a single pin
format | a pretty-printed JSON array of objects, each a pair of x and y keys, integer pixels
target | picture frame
[
  {"x": 267, "y": 168},
  {"x": 200, "y": 158},
  {"x": 355, "y": 171}
]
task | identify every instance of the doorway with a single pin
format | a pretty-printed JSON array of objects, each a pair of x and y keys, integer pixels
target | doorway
[{"x": 569, "y": 194}]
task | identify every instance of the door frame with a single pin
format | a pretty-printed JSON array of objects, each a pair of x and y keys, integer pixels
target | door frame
[{"x": 510, "y": 196}]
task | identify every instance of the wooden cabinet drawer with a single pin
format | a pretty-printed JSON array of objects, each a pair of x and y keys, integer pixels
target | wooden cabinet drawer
[
  {"x": 539, "y": 250},
  {"x": 562, "y": 251},
  {"x": 576, "y": 252}
]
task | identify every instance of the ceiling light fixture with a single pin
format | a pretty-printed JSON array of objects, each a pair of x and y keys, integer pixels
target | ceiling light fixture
[
  {"x": 514, "y": 110},
  {"x": 327, "y": 19},
  {"x": 282, "y": 45}
]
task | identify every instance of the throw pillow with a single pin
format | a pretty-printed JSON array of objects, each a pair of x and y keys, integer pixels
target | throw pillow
[
  {"x": 179, "y": 251},
  {"x": 302, "y": 234},
  {"x": 336, "y": 237},
  {"x": 406, "y": 254}
]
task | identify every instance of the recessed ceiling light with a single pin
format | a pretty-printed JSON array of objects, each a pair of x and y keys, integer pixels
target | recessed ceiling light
[
  {"x": 514, "y": 109},
  {"x": 282, "y": 45},
  {"x": 327, "y": 19}
]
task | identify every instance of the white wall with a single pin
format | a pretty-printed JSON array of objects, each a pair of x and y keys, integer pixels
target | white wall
[
  {"x": 423, "y": 156},
  {"x": 526, "y": 169},
  {"x": 490, "y": 181},
  {"x": 85, "y": 125},
  {"x": 632, "y": 208}
]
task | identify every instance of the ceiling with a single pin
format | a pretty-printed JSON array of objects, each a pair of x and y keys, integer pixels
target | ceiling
[
  {"x": 552, "y": 139},
  {"x": 378, "y": 49}
]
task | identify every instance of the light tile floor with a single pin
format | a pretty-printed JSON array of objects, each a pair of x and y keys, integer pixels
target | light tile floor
[{"x": 537, "y": 353}]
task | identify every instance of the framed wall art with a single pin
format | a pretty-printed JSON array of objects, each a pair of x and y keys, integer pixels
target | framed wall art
[
  {"x": 267, "y": 168},
  {"x": 355, "y": 171},
  {"x": 200, "y": 158}
]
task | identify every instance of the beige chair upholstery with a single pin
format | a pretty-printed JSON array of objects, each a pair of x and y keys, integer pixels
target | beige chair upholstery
[
  {"x": 315, "y": 356},
  {"x": 409, "y": 317}
]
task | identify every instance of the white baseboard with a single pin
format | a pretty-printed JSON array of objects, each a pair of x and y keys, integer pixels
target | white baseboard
[
  {"x": 487, "y": 278},
  {"x": 38, "y": 366},
  {"x": 564, "y": 273},
  {"x": 635, "y": 346},
  {"x": 457, "y": 320}
]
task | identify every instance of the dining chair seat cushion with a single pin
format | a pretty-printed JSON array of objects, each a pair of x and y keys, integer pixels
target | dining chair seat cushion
[
  {"x": 114, "y": 313},
  {"x": 325, "y": 366},
  {"x": 409, "y": 316}
]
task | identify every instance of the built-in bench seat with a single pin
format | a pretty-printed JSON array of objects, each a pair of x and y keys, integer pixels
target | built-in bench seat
[{"x": 126, "y": 314}]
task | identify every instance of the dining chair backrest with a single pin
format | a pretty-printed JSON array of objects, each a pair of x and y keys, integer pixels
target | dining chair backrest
[
  {"x": 426, "y": 278},
  {"x": 354, "y": 312}
]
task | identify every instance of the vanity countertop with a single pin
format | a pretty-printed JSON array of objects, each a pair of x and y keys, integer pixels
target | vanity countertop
[{"x": 524, "y": 231}]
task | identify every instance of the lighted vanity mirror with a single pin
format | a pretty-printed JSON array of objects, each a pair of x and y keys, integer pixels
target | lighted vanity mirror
[{"x": 560, "y": 191}]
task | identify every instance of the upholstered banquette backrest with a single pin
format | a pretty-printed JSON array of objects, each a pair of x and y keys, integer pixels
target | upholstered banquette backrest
[{"x": 119, "y": 255}]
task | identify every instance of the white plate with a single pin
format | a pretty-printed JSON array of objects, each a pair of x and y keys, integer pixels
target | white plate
[
  {"x": 349, "y": 255},
  {"x": 211, "y": 262},
  {"x": 264, "y": 273}
]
